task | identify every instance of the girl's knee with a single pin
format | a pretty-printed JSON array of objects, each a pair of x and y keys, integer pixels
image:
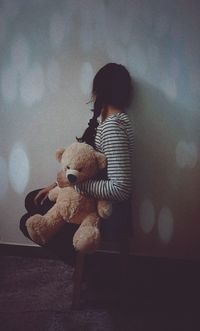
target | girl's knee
[{"x": 29, "y": 201}]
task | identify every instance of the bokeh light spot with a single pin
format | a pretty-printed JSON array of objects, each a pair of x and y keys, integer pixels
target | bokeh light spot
[
  {"x": 186, "y": 154},
  {"x": 18, "y": 168}
]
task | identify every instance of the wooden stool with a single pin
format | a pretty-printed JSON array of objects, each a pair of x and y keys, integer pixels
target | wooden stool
[{"x": 122, "y": 246}]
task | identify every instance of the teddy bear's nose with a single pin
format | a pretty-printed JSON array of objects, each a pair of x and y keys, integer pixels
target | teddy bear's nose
[{"x": 72, "y": 179}]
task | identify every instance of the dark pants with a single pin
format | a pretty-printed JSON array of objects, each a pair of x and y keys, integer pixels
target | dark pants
[{"x": 61, "y": 243}]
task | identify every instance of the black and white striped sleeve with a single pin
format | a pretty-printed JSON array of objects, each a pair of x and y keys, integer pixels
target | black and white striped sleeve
[{"x": 116, "y": 147}]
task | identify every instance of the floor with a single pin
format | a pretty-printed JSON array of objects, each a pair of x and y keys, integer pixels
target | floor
[{"x": 35, "y": 294}]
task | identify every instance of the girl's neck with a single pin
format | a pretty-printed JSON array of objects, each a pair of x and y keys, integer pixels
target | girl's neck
[{"x": 109, "y": 111}]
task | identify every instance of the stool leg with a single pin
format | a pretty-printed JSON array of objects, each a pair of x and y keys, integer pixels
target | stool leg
[{"x": 77, "y": 279}]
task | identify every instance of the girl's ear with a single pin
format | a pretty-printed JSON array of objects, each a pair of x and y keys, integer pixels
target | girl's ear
[
  {"x": 59, "y": 154},
  {"x": 101, "y": 159}
]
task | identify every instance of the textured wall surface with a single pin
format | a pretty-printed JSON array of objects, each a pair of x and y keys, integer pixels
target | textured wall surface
[{"x": 49, "y": 53}]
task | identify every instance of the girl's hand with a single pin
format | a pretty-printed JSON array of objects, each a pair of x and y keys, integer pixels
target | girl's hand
[{"x": 43, "y": 194}]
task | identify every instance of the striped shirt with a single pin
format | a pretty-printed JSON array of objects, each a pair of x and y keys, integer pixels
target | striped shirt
[{"x": 114, "y": 138}]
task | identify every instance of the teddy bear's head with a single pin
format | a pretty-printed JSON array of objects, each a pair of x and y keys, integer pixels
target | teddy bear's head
[{"x": 80, "y": 162}]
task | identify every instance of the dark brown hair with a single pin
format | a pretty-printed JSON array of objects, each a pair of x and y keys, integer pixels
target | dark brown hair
[{"x": 111, "y": 87}]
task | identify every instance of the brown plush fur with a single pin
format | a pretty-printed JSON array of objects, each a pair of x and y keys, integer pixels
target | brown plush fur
[{"x": 79, "y": 162}]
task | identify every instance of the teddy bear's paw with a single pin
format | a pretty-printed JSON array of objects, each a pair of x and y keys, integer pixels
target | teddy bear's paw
[
  {"x": 86, "y": 239},
  {"x": 34, "y": 225},
  {"x": 104, "y": 209}
]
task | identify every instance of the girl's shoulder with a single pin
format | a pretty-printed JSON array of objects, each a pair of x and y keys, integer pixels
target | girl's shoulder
[{"x": 120, "y": 119}]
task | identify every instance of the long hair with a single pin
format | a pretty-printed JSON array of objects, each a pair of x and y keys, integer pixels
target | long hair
[{"x": 111, "y": 87}]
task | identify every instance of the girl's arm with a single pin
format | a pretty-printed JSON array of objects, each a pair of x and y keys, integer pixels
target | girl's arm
[
  {"x": 43, "y": 194},
  {"x": 116, "y": 147}
]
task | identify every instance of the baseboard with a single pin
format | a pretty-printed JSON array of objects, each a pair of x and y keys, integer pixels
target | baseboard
[{"x": 12, "y": 249}]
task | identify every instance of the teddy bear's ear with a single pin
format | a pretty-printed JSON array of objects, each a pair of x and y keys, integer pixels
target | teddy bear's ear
[
  {"x": 59, "y": 153},
  {"x": 101, "y": 159}
]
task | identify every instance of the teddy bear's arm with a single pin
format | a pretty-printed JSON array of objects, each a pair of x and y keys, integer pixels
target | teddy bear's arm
[{"x": 104, "y": 208}]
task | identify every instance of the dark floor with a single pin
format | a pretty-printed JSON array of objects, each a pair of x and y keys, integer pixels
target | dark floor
[{"x": 35, "y": 294}]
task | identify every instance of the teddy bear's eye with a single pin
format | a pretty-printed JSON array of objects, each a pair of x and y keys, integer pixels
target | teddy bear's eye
[{"x": 68, "y": 167}]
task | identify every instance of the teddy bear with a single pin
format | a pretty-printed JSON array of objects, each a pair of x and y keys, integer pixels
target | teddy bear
[{"x": 79, "y": 162}]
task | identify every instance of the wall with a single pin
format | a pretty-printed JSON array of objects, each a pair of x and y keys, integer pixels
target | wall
[{"x": 49, "y": 52}]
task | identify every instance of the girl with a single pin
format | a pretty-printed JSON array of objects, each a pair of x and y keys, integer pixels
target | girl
[{"x": 111, "y": 94}]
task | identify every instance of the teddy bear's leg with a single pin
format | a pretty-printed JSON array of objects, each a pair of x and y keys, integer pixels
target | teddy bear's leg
[
  {"x": 42, "y": 228},
  {"x": 87, "y": 237},
  {"x": 104, "y": 208}
]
